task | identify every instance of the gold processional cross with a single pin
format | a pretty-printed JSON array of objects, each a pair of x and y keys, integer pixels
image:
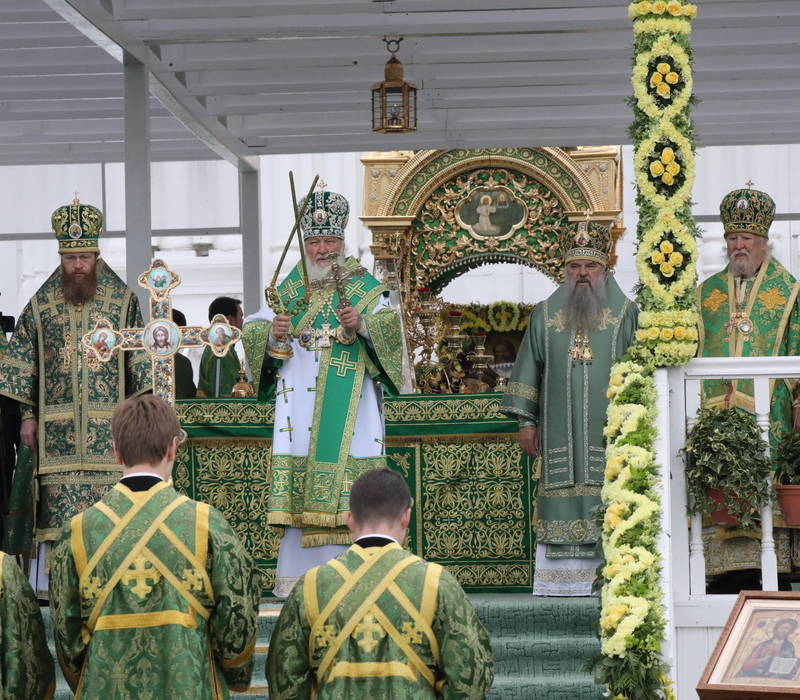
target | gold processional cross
[{"x": 161, "y": 338}]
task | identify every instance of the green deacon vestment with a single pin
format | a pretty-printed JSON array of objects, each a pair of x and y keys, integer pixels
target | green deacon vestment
[
  {"x": 567, "y": 400},
  {"x": 46, "y": 371},
  {"x": 153, "y": 596},
  {"x": 769, "y": 301},
  {"x": 26, "y": 667},
  {"x": 328, "y": 423},
  {"x": 378, "y": 622},
  {"x": 218, "y": 375}
]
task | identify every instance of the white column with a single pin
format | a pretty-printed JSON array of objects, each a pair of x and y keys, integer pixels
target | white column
[
  {"x": 769, "y": 560},
  {"x": 250, "y": 226},
  {"x": 138, "y": 245}
]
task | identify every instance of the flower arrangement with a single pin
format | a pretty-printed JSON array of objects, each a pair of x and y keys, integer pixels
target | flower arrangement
[
  {"x": 499, "y": 316},
  {"x": 632, "y": 625}
]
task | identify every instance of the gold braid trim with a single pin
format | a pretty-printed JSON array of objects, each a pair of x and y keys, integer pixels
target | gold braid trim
[{"x": 524, "y": 391}]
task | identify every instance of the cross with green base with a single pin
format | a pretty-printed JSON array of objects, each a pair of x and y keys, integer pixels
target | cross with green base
[
  {"x": 344, "y": 364},
  {"x": 292, "y": 287}
]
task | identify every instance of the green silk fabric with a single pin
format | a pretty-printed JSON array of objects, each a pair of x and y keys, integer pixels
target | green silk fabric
[
  {"x": 26, "y": 667},
  {"x": 397, "y": 608},
  {"x": 179, "y": 618},
  {"x": 73, "y": 400},
  {"x": 567, "y": 400},
  {"x": 771, "y": 304},
  {"x": 218, "y": 375}
]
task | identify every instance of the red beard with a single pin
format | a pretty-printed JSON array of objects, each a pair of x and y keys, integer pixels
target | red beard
[{"x": 79, "y": 290}]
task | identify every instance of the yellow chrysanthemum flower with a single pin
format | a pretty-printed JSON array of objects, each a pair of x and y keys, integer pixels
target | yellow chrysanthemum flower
[
  {"x": 667, "y": 179},
  {"x": 691, "y": 334},
  {"x": 690, "y": 11},
  {"x": 673, "y": 168},
  {"x": 680, "y": 333},
  {"x": 666, "y": 247},
  {"x": 657, "y": 258},
  {"x": 676, "y": 258},
  {"x": 667, "y": 155},
  {"x": 666, "y": 334},
  {"x": 663, "y": 90},
  {"x": 656, "y": 168},
  {"x": 652, "y": 333},
  {"x": 656, "y": 79},
  {"x": 659, "y": 7},
  {"x": 663, "y": 68},
  {"x": 674, "y": 8},
  {"x": 641, "y": 336},
  {"x": 672, "y": 78},
  {"x": 667, "y": 269}
]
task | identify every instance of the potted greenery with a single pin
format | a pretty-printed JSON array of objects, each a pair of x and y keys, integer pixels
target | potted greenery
[
  {"x": 727, "y": 467},
  {"x": 787, "y": 477}
]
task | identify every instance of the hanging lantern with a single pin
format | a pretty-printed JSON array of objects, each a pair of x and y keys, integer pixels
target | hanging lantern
[{"x": 394, "y": 101}]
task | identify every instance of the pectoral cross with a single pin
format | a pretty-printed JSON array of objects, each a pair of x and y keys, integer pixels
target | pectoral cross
[
  {"x": 161, "y": 338},
  {"x": 324, "y": 335},
  {"x": 141, "y": 573}
]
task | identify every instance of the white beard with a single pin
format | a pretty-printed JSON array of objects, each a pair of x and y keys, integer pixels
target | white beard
[{"x": 318, "y": 271}]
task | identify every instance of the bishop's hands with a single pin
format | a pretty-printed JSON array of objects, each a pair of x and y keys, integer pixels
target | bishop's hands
[
  {"x": 281, "y": 325},
  {"x": 529, "y": 440},
  {"x": 351, "y": 319}
]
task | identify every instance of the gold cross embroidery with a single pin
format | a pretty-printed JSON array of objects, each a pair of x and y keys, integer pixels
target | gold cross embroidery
[
  {"x": 606, "y": 319},
  {"x": 91, "y": 589},
  {"x": 370, "y": 631},
  {"x": 292, "y": 288},
  {"x": 284, "y": 392},
  {"x": 557, "y": 321},
  {"x": 411, "y": 633},
  {"x": 344, "y": 364},
  {"x": 141, "y": 573},
  {"x": 714, "y": 300},
  {"x": 192, "y": 579},
  {"x": 355, "y": 288},
  {"x": 327, "y": 636}
]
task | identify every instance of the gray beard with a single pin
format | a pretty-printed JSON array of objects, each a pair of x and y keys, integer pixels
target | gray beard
[
  {"x": 317, "y": 272},
  {"x": 742, "y": 265},
  {"x": 583, "y": 306}
]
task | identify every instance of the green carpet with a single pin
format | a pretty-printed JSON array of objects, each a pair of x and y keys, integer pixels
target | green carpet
[{"x": 539, "y": 645}]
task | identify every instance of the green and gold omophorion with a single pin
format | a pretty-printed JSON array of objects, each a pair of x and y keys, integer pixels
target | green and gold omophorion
[
  {"x": 153, "y": 596},
  {"x": 328, "y": 422},
  {"x": 379, "y": 622},
  {"x": 26, "y": 667},
  {"x": 72, "y": 398}
]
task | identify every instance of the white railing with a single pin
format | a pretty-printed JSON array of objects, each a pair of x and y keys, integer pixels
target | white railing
[{"x": 681, "y": 547}]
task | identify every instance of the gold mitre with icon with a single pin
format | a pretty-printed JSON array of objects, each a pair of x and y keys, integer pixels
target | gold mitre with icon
[
  {"x": 587, "y": 240},
  {"x": 77, "y": 227},
  {"x": 747, "y": 211}
]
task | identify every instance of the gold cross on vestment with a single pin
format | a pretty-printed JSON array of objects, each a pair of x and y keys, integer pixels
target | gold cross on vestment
[
  {"x": 292, "y": 287},
  {"x": 141, "y": 573},
  {"x": 370, "y": 631},
  {"x": 193, "y": 579},
  {"x": 411, "y": 633},
  {"x": 343, "y": 364},
  {"x": 326, "y": 636},
  {"x": 91, "y": 589},
  {"x": 161, "y": 338},
  {"x": 355, "y": 289}
]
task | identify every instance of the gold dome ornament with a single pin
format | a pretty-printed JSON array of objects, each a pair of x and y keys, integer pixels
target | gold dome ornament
[{"x": 243, "y": 389}]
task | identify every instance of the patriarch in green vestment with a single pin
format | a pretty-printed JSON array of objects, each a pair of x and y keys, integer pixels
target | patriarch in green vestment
[
  {"x": 557, "y": 392},
  {"x": 152, "y": 593},
  {"x": 749, "y": 309},
  {"x": 377, "y": 621},
  {"x": 218, "y": 375},
  {"x": 26, "y": 666},
  {"x": 324, "y": 361},
  {"x": 66, "y": 399}
]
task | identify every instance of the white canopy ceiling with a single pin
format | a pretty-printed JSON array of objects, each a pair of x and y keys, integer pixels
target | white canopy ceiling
[{"x": 250, "y": 77}]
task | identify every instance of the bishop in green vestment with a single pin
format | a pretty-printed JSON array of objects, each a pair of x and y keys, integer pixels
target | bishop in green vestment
[
  {"x": 324, "y": 362},
  {"x": 557, "y": 392},
  {"x": 152, "y": 594},
  {"x": 377, "y": 621},
  {"x": 67, "y": 400},
  {"x": 749, "y": 309},
  {"x": 26, "y": 666},
  {"x": 218, "y": 375}
]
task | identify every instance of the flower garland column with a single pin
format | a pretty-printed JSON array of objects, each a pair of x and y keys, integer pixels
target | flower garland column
[{"x": 632, "y": 626}]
